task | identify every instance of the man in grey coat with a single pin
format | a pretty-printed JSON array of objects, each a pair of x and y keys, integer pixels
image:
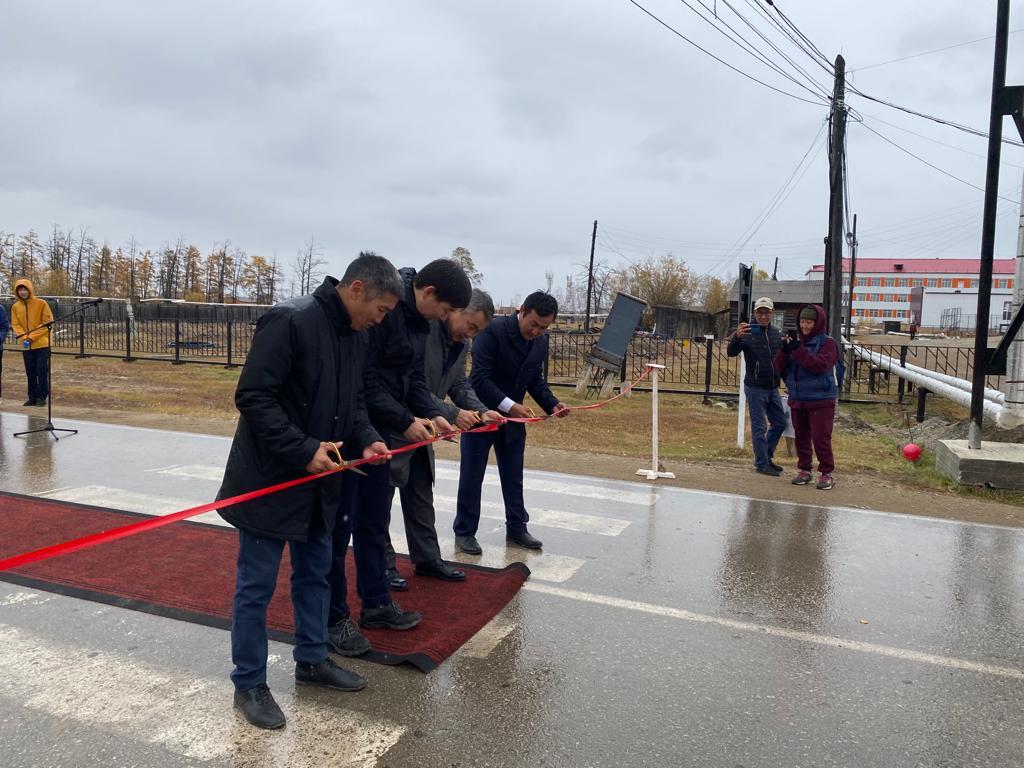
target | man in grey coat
[{"x": 413, "y": 473}]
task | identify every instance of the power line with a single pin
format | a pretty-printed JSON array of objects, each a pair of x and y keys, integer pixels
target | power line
[
  {"x": 773, "y": 205},
  {"x": 930, "y": 165},
  {"x": 747, "y": 47},
  {"x": 934, "y": 141},
  {"x": 680, "y": 35},
  {"x": 941, "y": 121},
  {"x": 929, "y": 53}
]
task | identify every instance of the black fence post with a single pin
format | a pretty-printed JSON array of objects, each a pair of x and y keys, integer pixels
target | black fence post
[
  {"x": 709, "y": 350},
  {"x": 81, "y": 337},
  {"x": 177, "y": 341},
  {"x": 922, "y": 394},
  {"x": 230, "y": 328},
  {"x": 901, "y": 387},
  {"x": 128, "y": 340}
]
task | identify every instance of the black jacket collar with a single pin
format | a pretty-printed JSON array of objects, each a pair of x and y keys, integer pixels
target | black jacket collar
[{"x": 327, "y": 295}]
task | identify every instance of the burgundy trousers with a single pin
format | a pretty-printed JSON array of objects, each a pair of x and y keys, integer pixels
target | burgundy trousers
[{"x": 813, "y": 428}]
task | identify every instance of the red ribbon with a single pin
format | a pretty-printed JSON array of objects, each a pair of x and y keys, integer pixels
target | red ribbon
[{"x": 148, "y": 524}]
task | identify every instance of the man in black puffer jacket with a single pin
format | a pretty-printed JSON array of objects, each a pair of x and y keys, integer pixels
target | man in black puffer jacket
[
  {"x": 759, "y": 343},
  {"x": 299, "y": 397}
]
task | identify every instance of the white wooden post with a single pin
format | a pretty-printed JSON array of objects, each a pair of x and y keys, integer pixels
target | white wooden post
[
  {"x": 741, "y": 416},
  {"x": 653, "y": 473}
]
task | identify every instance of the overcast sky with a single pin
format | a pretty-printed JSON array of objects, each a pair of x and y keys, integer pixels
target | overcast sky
[{"x": 411, "y": 128}]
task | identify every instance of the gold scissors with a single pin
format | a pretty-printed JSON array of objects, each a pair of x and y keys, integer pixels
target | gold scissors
[{"x": 336, "y": 449}]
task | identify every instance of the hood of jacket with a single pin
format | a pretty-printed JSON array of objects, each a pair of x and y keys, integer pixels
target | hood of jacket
[
  {"x": 819, "y": 324},
  {"x": 28, "y": 284}
]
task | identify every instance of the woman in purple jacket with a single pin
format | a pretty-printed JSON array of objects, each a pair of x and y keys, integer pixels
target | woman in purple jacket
[{"x": 807, "y": 362}]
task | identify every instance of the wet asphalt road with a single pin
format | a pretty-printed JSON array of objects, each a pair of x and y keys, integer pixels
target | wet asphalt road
[{"x": 662, "y": 627}]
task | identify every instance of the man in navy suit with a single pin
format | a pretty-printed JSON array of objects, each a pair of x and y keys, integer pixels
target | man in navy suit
[{"x": 508, "y": 362}]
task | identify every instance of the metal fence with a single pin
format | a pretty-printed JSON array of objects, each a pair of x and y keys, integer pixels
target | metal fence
[
  {"x": 703, "y": 367},
  {"x": 177, "y": 340},
  {"x": 698, "y": 366}
]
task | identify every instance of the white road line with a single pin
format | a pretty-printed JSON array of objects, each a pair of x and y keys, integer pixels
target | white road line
[
  {"x": 542, "y": 565},
  {"x": 194, "y": 471},
  {"x": 532, "y": 483},
  {"x": 949, "y": 662},
  {"x": 482, "y": 644},
  {"x": 549, "y": 518},
  {"x": 186, "y": 715}
]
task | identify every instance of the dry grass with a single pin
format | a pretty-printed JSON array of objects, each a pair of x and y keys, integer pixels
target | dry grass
[{"x": 869, "y": 442}]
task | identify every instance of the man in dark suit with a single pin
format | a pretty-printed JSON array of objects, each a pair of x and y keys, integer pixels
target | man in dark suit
[
  {"x": 508, "y": 362},
  {"x": 444, "y": 366}
]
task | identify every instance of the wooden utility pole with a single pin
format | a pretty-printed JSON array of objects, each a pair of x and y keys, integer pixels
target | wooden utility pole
[
  {"x": 833, "y": 288},
  {"x": 590, "y": 276}
]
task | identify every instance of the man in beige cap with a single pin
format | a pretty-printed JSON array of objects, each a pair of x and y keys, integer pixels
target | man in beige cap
[{"x": 759, "y": 342}]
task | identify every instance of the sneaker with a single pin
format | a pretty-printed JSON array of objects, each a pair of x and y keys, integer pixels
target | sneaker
[
  {"x": 776, "y": 467},
  {"x": 259, "y": 707},
  {"x": 825, "y": 483},
  {"x": 327, "y": 674},
  {"x": 768, "y": 470},
  {"x": 803, "y": 477},
  {"x": 390, "y": 616},
  {"x": 345, "y": 640}
]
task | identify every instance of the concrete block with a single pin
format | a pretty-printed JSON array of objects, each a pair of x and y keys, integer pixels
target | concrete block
[{"x": 997, "y": 465}]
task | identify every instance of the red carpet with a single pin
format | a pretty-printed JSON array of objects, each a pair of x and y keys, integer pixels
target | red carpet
[{"x": 187, "y": 571}]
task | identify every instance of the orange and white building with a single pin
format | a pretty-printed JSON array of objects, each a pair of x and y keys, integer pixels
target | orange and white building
[{"x": 884, "y": 286}]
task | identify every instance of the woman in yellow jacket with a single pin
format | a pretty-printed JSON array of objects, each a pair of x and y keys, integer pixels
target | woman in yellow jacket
[{"x": 29, "y": 315}]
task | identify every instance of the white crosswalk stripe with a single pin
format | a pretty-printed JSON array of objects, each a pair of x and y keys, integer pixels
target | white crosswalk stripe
[
  {"x": 108, "y": 690},
  {"x": 549, "y": 518},
  {"x": 583, "y": 490}
]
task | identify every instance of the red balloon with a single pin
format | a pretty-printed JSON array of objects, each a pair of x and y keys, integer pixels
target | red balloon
[{"x": 912, "y": 451}]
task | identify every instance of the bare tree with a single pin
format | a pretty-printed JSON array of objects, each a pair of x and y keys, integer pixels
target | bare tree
[
  {"x": 307, "y": 264},
  {"x": 464, "y": 259}
]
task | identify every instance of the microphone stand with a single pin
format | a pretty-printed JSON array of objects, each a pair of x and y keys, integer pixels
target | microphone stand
[{"x": 49, "y": 373}]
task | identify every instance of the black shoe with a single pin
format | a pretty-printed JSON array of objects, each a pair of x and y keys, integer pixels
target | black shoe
[
  {"x": 390, "y": 616},
  {"x": 396, "y": 582},
  {"x": 345, "y": 640},
  {"x": 29, "y": 402},
  {"x": 469, "y": 545},
  {"x": 328, "y": 675},
  {"x": 775, "y": 466},
  {"x": 768, "y": 470},
  {"x": 439, "y": 569},
  {"x": 40, "y": 401},
  {"x": 523, "y": 539},
  {"x": 259, "y": 707}
]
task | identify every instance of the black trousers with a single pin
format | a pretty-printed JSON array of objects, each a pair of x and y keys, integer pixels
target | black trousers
[
  {"x": 37, "y": 369},
  {"x": 418, "y": 511}
]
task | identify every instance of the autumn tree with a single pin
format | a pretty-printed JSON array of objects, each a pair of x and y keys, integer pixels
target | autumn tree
[
  {"x": 664, "y": 280},
  {"x": 714, "y": 294}
]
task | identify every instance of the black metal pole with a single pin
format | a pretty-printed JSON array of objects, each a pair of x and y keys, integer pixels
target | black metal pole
[
  {"x": 590, "y": 276},
  {"x": 988, "y": 226}
]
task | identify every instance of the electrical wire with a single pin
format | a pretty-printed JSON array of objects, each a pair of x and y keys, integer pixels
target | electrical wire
[
  {"x": 773, "y": 205},
  {"x": 750, "y": 48},
  {"x": 931, "y": 165},
  {"x": 680, "y": 35},
  {"x": 934, "y": 50}
]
